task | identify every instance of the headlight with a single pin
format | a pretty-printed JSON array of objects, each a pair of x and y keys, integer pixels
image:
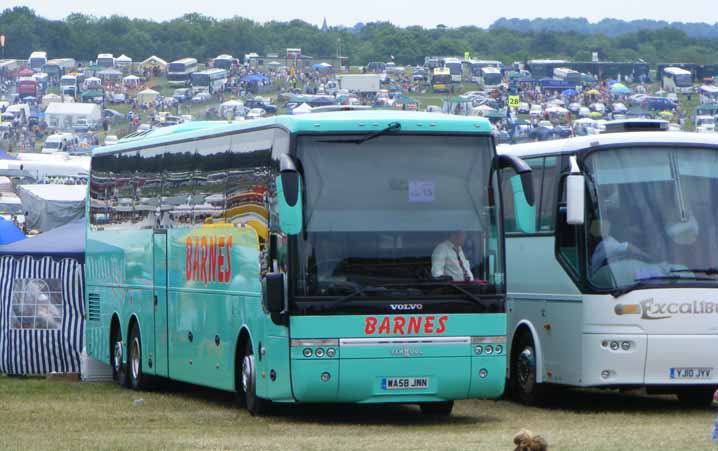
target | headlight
[
  {"x": 478, "y": 350},
  {"x": 499, "y": 349},
  {"x": 319, "y": 352},
  {"x": 614, "y": 345},
  {"x": 331, "y": 352},
  {"x": 489, "y": 349},
  {"x": 307, "y": 352}
]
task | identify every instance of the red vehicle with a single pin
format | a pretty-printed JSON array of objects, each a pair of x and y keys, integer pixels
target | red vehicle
[{"x": 27, "y": 87}]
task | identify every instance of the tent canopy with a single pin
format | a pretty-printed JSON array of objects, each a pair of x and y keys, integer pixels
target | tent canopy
[
  {"x": 66, "y": 241},
  {"x": 254, "y": 78}
]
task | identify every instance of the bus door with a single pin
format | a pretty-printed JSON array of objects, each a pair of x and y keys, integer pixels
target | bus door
[{"x": 160, "y": 364}]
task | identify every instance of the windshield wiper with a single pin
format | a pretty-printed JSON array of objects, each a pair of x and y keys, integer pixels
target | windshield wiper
[
  {"x": 708, "y": 271},
  {"x": 393, "y": 126},
  {"x": 641, "y": 283},
  {"x": 356, "y": 293},
  {"x": 470, "y": 295}
]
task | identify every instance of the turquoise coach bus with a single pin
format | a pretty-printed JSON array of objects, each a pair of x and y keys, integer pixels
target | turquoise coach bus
[{"x": 289, "y": 259}]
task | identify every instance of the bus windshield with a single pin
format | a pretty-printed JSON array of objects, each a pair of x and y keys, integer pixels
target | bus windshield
[
  {"x": 651, "y": 217},
  {"x": 200, "y": 80},
  {"x": 683, "y": 80},
  {"x": 377, "y": 210}
]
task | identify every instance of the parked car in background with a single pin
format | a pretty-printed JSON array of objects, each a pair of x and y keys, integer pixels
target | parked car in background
[
  {"x": 256, "y": 113},
  {"x": 259, "y": 102},
  {"x": 182, "y": 94},
  {"x": 110, "y": 140},
  {"x": 82, "y": 125},
  {"x": 202, "y": 97}
]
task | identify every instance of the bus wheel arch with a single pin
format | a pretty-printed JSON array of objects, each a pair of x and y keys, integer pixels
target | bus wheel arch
[
  {"x": 525, "y": 376},
  {"x": 525, "y": 328}
]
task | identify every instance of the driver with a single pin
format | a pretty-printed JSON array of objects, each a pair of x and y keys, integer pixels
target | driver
[
  {"x": 448, "y": 259},
  {"x": 609, "y": 249}
]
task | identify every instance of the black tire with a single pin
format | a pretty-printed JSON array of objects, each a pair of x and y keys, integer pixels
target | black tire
[
  {"x": 437, "y": 409},
  {"x": 119, "y": 369},
  {"x": 136, "y": 378},
  {"x": 696, "y": 396},
  {"x": 255, "y": 405},
  {"x": 523, "y": 372}
]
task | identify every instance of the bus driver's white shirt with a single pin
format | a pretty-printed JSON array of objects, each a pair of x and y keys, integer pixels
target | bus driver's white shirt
[{"x": 445, "y": 263}]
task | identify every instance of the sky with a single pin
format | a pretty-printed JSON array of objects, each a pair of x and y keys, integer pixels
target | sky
[{"x": 427, "y": 13}]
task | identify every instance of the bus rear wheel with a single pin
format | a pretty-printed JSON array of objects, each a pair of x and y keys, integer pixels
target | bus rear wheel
[
  {"x": 137, "y": 379},
  {"x": 523, "y": 380},
  {"x": 437, "y": 409},
  {"x": 119, "y": 370},
  {"x": 255, "y": 405}
]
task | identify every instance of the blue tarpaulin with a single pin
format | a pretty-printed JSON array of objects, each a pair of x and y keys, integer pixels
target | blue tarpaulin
[
  {"x": 9, "y": 233},
  {"x": 4, "y": 155},
  {"x": 66, "y": 241},
  {"x": 255, "y": 78}
]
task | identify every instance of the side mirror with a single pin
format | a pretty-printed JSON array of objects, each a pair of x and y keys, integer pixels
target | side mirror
[
  {"x": 575, "y": 199},
  {"x": 523, "y": 170},
  {"x": 273, "y": 299},
  {"x": 289, "y": 197}
]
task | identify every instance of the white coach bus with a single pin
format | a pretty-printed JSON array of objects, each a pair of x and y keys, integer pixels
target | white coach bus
[{"x": 613, "y": 273}]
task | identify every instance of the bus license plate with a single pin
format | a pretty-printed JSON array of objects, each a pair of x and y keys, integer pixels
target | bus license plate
[
  {"x": 691, "y": 373},
  {"x": 404, "y": 383}
]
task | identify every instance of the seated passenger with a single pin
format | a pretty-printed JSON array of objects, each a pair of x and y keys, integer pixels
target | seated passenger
[{"x": 448, "y": 259}]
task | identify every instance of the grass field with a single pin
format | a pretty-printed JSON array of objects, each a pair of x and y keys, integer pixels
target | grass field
[{"x": 40, "y": 415}]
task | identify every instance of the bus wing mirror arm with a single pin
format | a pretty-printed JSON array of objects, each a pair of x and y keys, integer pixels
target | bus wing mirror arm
[{"x": 523, "y": 170}]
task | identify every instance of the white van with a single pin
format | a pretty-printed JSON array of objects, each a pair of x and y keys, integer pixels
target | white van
[{"x": 59, "y": 142}]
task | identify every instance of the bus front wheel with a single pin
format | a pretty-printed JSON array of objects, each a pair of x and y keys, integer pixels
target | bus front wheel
[
  {"x": 696, "y": 396},
  {"x": 437, "y": 409},
  {"x": 523, "y": 380},
  {"x": 255, "y": 405}
]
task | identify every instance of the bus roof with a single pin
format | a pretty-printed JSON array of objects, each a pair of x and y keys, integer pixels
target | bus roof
[
  {"x": 676, "y": 71},
  {"x": 441, "y": 71},
  {"x": 38, "y": 54},
  {"x": 214, "y": 70},
  {"x": 585, "y": 143},
  {"x": 224, "y": 56},
  {"x": 185, "y": 61},
  {"x": 332, "y": 122},
  {"x": 491, "y": 70}
]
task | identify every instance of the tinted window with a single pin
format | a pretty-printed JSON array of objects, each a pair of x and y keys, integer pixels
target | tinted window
[
  {"x": 210, "y": 179},
  {"x": 519, "y": 216},
  {"x": 178, "y": 185},
  {"x": 148, "y": 180}
]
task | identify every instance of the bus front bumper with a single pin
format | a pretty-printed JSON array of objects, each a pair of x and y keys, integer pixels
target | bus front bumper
[
  {"x": 355, "y": 375},
  {"x": 640, "y": 359}
]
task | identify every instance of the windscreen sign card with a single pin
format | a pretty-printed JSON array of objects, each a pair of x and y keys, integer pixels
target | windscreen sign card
[{"x": 421, "y": 191}]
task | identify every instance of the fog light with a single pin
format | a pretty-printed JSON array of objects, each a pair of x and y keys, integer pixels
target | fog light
[
  {"x": 307, "y": 352},
  {"x": 478, "y": 350},
  {"x": 483, "y": 373},
  {"x": 489, "y": 349},
  {"x": 319, "y": 352},
  {"x": 605, "y": 374},
  {"x": 604, "y": 343},
  {"x": 499, "y": 349},
  {"x": 326, "y": 376},
  {"x": 626, "y": 345},
  {"x": 331, "y": 352},
  {"x": 614, "y": 345}
]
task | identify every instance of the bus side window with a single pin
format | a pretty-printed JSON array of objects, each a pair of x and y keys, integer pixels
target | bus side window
[
  {"x": 549, "y": 190},
  {"x": 567, "y": 236},
  {"x": 124, "y": 197},
  {"x": 208, "y": 200},
  {"x": 101, "y": 190},
  {"x": 178, "y": 183},
  {"x": 149, "y": 188},
  {"x": 520, "y": 217}
]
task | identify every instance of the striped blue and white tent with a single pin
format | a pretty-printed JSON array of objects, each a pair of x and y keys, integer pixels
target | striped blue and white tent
[{"x": 42, "y": 302}]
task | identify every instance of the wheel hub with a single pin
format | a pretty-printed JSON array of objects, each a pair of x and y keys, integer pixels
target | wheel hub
[
  {"x": 526, "y": 366},
  {"x": 135, "y": 358},
  {"x": 247, "y": 372},
  {"x": 117, "y": 356}
]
